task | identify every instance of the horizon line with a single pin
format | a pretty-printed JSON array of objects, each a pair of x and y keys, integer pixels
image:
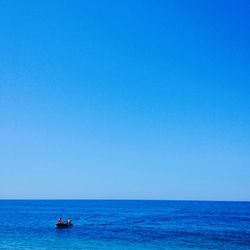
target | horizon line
[{"x": 114, "y": 199}]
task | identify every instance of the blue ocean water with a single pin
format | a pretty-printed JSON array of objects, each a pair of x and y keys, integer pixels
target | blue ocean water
[{"x": 125, "y": 225}]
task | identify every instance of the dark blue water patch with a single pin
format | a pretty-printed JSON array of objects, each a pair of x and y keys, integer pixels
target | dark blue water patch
[{"x": 126, "y": 224}]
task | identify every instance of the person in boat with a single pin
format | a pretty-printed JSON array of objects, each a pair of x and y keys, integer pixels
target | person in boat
[
  {"x": 60, "y": 221},
  {"x": 68, "y": 221}
]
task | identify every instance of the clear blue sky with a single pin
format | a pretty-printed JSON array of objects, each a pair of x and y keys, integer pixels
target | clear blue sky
[{"x": 130, "y": 100}]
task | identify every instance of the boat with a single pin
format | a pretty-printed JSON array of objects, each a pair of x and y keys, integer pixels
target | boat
[{"x": 64, "y": 225}]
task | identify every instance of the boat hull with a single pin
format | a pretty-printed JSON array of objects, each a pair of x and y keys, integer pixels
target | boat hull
[{"x": 63, "y": 225}]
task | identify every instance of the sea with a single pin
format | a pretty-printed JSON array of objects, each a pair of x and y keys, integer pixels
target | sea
[{"x": 125, "y": 224}]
